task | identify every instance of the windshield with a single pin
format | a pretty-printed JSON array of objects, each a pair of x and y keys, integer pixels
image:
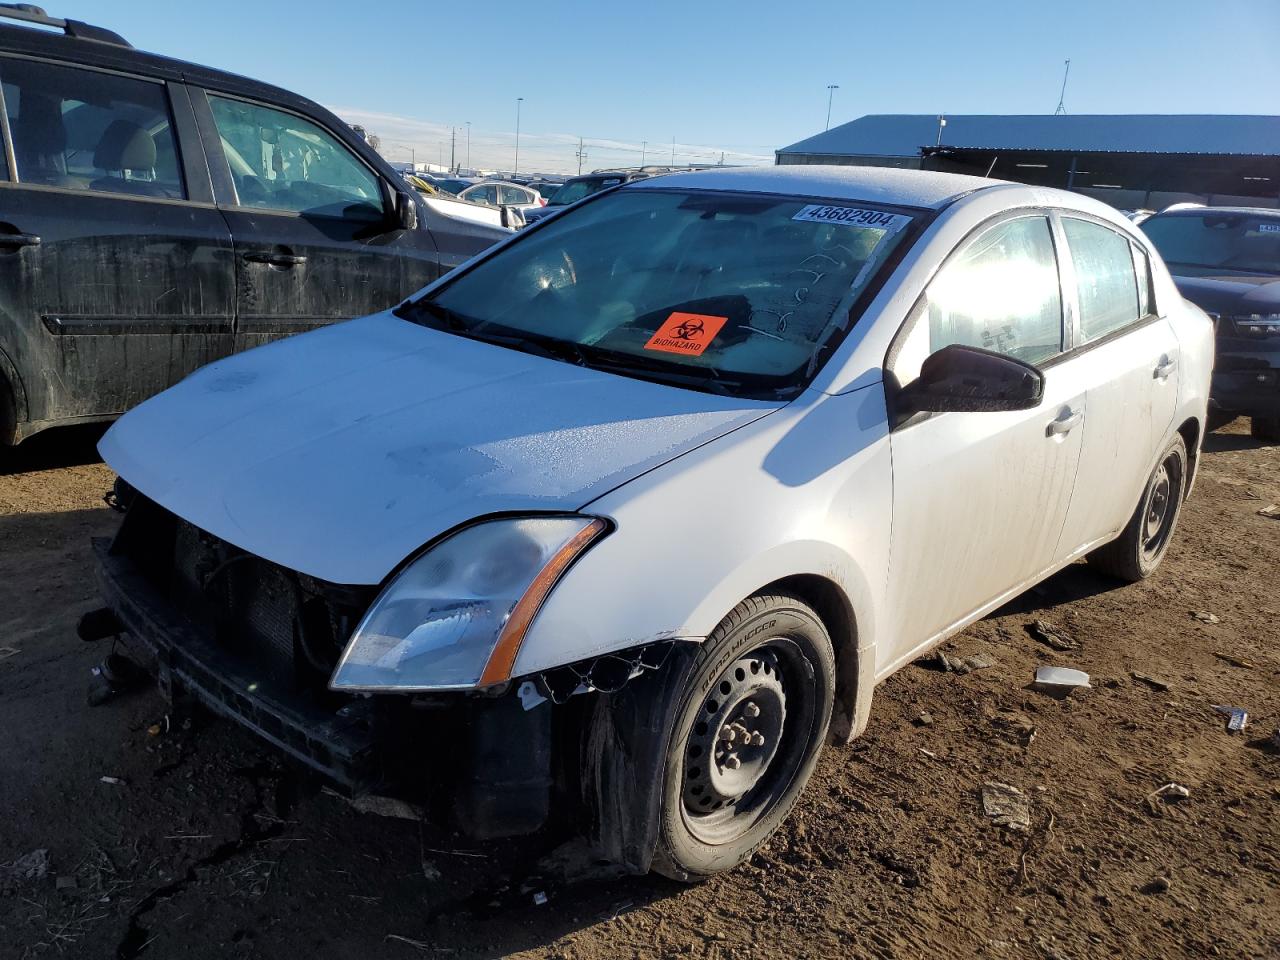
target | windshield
[
  {"x": 575, "y": 190},
  {"x": 733, "y": 293},
  {"x": 1209, "y": 243}
]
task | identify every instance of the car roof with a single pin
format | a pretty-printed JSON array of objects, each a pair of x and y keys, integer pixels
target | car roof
[
  {"x": 913, "y": 188},
  {"x": 112, "y": 56}
]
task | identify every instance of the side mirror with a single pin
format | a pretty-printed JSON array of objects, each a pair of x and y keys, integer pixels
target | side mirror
[
  {"x": 512, "y": 217},
  {"x": 960, "y": 379},
  {"x": 406, "y": 212}
]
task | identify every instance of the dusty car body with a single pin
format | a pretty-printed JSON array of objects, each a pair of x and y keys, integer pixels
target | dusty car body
[{"x": 566, "y": 567}]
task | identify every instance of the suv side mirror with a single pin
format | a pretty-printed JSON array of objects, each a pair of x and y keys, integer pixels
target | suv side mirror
[
  {"x": 960, "y": 379},
  {"x": 406, "y": 212},
  {"x": 512, "y": 217}
]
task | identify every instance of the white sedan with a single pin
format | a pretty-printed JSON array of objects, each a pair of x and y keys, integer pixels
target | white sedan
[
  {"x": 633, "y": 511},
  {"x": 498, "y": 193}
]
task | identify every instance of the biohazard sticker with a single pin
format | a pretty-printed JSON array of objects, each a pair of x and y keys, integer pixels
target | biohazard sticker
[
  {"x": 851, "y": 216},
  {"x": 687, "y": 333}
]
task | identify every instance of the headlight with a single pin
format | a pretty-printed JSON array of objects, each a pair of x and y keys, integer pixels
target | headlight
[{"x": 455, "y": 617}]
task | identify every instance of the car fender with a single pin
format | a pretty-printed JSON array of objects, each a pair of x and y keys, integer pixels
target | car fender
[
  {"x": 794, "y": 494},
  {"x": 12, "y": 385}
]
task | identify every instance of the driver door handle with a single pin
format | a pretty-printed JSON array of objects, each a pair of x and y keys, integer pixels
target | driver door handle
[
  {"x": 19, "y": 240},
  {"x": 1064, "y": 424},
  {"x": 1165, "y": 367},
  {"x": 276, "y": 259}
]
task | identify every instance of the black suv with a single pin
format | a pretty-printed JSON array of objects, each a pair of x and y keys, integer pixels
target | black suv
[
  {"x": 1226, "y": 260},
  {"x": 156, "y": 215}
]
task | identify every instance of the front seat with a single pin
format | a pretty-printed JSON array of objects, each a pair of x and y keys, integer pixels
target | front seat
[
  {"x": 127, "y": 149},
  {"x": 40, "y": 143}
]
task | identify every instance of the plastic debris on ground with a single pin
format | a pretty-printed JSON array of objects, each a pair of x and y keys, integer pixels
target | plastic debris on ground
[
  {"x": 1051, "y": 636},
  {"x": 1006, "y": 806},
  {"x": 378, "y": 805},
  {"x": 1237, "y": 717},
  {"x": 1206, "y": 617},
  {"x": 1234, "y": 661},
  {"x": 114, "y": 781},
  {"x": 539, "y": 899},
  {"x": 1170, "y": 793},
  {"x": 1060, "y": 680},
  {"x": 1271, "y": 511},
  {"x": 6, "y": 652}
]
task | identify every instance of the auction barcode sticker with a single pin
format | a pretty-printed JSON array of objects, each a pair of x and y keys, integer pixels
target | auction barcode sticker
[
  {"x": 851, "y": 216},
  {"x": 1269, "y": 228}
]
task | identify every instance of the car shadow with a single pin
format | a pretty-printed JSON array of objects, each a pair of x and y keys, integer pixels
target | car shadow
[
  {"x": 1227, "y": 442},
  {"x": 61, "y": 447}
]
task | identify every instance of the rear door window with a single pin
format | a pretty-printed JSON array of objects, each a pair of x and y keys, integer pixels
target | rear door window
[
  {"x": 514, "y": 196},
  {"x": 1106, "y": 281},
  {"x": 88, "y": 130},
  {"x": 279, "y": 161}
]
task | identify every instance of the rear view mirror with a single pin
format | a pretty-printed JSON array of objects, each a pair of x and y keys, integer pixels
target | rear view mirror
[
  {"x": 512, "y": 217},
  {"x": 960, "y": 379}
]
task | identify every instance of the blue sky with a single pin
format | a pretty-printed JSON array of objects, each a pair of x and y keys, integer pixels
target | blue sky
[{"x": 744, "y": 77}]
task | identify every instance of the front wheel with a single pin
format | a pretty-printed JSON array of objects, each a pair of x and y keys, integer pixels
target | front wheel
[
  {"x": 749, "y": 726},
  {"x": 1136, "y": 553},
  {"x": 1266, "y": 429}
]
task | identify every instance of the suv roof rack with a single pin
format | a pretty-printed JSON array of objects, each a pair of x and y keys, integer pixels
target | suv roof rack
[{"x": 30, "y": 13}]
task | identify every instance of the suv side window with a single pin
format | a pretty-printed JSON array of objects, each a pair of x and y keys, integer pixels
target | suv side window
[
  {"x": 1106, "y": 282},
  {"x": 280, "y": 161},
  {"x": 86, "y": 130},
  {"x": 999, "y": 291}
]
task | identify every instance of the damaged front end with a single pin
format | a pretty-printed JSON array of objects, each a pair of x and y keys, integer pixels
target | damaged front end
[{"x": 265, "y": 646}]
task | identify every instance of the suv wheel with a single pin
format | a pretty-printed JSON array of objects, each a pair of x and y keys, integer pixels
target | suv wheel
[{"x": 749, "y": 726}]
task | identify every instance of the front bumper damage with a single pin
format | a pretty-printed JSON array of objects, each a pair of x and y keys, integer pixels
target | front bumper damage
[{"x": 340, "y": 744}]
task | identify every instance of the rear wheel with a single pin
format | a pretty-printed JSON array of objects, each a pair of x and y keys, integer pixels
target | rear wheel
[
  {"x": 1266, "y": 429},
  {"x": 1136, "y": 553},
  {"x": 750, "y": 724}
]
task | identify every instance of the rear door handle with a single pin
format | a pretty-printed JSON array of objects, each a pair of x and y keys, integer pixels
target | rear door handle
[
  {"x": 1064, "y": 424},
  {"x": 19, "y": 240},
  {"x": 276, "y": 259},
  {"x": 1165, "y": 367}
]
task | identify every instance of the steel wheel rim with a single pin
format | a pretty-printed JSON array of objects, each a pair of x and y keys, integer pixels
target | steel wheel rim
[
  {"x": 759, "y": 720},
  {"x": 1160, "y": 506}
]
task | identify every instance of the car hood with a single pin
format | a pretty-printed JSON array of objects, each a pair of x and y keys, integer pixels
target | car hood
[
  {"x": 341, "y": 452},
  {"x": 1232, "y": 295}
]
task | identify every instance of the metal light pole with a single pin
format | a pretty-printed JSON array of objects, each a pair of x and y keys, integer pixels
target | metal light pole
[
  {"x": 643, "y": 147},
  {"x": 673, "y": 151},
  {"x": 519, "y": 101},
  {"x": 468, "y": 145},
  {"x": 831, "y": 92}
]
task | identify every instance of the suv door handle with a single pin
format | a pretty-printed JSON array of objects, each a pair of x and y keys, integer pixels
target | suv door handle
[
  {"x": 19, "y": 240},
  {"x": 1064, "y": 424},
  {"x": 276, "y": 259},
  {"x": 1165, "y": 367}
]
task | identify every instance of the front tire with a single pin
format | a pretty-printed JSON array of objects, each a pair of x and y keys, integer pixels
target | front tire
[
  {"x": 1136, "y": 553},
  {"x": 1266, "y": 429},
  {"x": 751, "y": 721}
]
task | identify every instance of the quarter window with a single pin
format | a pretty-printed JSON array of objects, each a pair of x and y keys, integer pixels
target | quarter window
[
  {"x": 281, "y": 162},
  {"x": 1000, "y": 291},
  {"x": 1106, "y": 282},
  {"x": 85, "y": 130}
]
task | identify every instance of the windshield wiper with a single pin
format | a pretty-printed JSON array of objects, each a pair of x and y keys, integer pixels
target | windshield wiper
[
  {"x": 445, "y": 318},
  {"x": 663, "y": 372}
]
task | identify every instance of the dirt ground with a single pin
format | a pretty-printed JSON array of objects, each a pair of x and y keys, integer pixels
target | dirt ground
[{"x": 201, "y": 846}]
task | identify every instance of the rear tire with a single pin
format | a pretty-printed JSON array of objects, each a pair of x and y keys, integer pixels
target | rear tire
[
  {"x": 1135, "y": 554},
  {"x": 751, "y": 721},
  {"x": 1266, "y": 429}
]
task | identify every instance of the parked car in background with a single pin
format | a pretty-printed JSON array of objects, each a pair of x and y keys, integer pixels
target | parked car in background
[
  {"x": 454, "y": 185},
  {"x": 499, "y": 193},
  {"x": 577, "y": 188},
  {"x": 1227, "y": 260},
  {"x": 156, "y": 215},
  {"x": 625, "y": 517}
]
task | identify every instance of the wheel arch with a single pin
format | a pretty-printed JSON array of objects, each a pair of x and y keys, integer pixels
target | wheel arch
[
  {"x": 855, "y": 666},
  {"x": 1191, "y": 432},
  {"x": 13, "y": 401}
]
